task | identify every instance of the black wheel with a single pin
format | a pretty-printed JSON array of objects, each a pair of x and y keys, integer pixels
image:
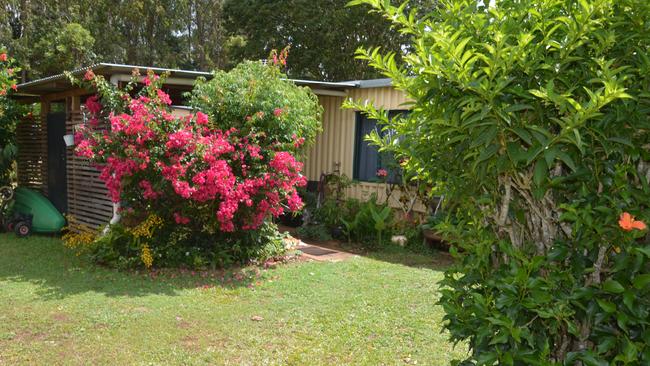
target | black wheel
[
  {"x": 23, "y": 229},
  {"x": 6, "y": 193},
  {"x": 10, "y": 226}
]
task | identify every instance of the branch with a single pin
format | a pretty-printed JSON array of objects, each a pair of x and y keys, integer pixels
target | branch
[{"x": 505, "y": 203}]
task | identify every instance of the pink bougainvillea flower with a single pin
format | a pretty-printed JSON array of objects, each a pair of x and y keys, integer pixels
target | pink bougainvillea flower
[
  {"x": 382, "y": 173},
  {"x": 89, "y": 75},
  {"x": 14, "y": 87},
  {"x": 294, "y": 201},
  {"x": 3, "y": 57},
  {"x": 3, "y": 92},
  {"x": 201, "y": 118},
  {"x": 181, "y": 220},
  {"x": 297, "y": 142},
  {"x": 628, "y": 223},
  {"x": 148, "y": 191},
  {"x": 150, "y": 79},
  {"x": 93, "y": 105},
  {"x": 278, "y": 112},
  {"x": 164, "y": 97}
]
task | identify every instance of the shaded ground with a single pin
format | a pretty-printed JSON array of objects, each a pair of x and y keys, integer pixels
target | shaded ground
[{"x": 56, "y": 308}]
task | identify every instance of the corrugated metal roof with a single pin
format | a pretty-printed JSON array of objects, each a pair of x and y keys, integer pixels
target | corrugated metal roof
[
  {"x": 52, "y": 83},
  {"x": 371, "y": 83},
  {"x": 104, "y": 69},
  {"x": 325, "y": 84}
]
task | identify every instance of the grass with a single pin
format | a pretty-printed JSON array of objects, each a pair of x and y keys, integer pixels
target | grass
[{"x": 56, "y": 308}]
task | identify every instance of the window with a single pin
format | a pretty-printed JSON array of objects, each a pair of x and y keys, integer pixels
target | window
[{"x": 367, "y": 158}]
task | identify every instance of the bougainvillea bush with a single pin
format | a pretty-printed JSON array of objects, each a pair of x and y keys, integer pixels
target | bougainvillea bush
[
  {"x": 10, "y": 112},
  {"x": 210, "y": 191},
  {"x": 533, "y": 116}
]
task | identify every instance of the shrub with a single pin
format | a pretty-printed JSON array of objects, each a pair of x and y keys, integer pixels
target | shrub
[
  {"x": 369, "y": 222},
  {"x": 534, "y": 116},
  {"x": 180, "y": 246},
  {"x": 257, "y": 99},
  {"x": 211, "y": 190},
  {"x": 318, "y": 232}
]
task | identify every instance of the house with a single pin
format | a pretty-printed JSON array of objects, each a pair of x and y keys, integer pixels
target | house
[{"x": 46, "y": 164}]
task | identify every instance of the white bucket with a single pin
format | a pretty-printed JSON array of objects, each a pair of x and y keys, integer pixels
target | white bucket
[{"x": 69, "y": 140}]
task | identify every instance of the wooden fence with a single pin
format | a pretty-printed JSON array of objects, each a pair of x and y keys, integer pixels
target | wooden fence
[
  {"x": 88, "y": 200},
  {"x": 31, "y": 139}
]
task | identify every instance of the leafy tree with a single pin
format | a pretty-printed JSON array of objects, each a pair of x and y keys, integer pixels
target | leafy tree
[
  {"x": 47, "y": 36},
  {"x": 323, "y": 35},
  {"x": 195, "y": 34},
  {"x": 533, "y": 116},
  {"x": 68, "y": 48},
  {"x": 204, "y": 35},
  {"x": 50, "y": 36},
  {"x": 10, "y": 112}
]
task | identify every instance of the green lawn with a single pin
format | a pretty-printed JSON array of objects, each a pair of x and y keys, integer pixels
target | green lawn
[{"x": 56, "y": 308}]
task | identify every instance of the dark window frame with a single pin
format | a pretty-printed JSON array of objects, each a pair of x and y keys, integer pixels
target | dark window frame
[{"x": 359, "y": 139}]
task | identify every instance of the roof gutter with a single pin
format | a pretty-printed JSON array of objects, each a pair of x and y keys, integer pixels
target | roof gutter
[
  {"x": 116, "y": 78},
  {"x": 334, "y": 93}
]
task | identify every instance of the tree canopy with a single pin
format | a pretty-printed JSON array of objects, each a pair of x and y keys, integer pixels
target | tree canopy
[
  {"x": 323, "y": 35},
  {"x": 49, "y": 36}
]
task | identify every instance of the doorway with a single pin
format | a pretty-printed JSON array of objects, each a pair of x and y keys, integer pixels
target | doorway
[{"x": 56, "y": 161}]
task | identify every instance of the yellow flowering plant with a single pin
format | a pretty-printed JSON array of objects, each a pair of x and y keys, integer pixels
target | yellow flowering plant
[
  {"x": 145, "y": 230},
  {"x": 146, "y": 257},
  {"x": 77, "y": 235}
]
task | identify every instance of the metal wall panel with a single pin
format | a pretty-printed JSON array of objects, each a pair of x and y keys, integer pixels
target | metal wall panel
[{"x": 335, "y": 145}]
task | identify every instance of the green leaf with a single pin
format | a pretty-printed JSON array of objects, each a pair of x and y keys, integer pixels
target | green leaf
[
  {"x": 518, "y": 107},
  {"x": 643, "y": 250},
  {"x": 630, "y": 353},
  {"x": 549, "y": 155},
  {"x": 485, "y": 136},
  {"x": 641, "y": 281},
  {"x": 542, "y": 134},
  {"x": 607, "y": 306},
  {"x": 533, "y": 152},
  {"x": 502, "y": 337},
  {"x": 516, "y": 152},
  {"x": 621, "y": 140},
  {"x": 523, "y": 134},
  {"x": 566, "y": 159},
  {"x": 488, "y": 153},
  {"x": 628, "y": 299},
  {"x": 605, "y": 344},
  {"x": 540, "y": 173},
  {"x": 613, "y": 286},
  {"x": 578, "y": 140}
]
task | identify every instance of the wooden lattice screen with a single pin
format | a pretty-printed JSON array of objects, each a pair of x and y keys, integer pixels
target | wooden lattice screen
[
  {"x": 31, "y": 139},
  {"x": 88, "y": 200}
]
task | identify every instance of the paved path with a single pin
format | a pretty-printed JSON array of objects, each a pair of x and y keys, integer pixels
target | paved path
[
  {"x": 322, "y": 253},
  {"x": 318, "y": 253}
]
